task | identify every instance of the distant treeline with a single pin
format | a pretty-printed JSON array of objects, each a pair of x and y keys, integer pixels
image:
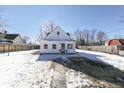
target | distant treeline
[{"x": 88, "y": 37}]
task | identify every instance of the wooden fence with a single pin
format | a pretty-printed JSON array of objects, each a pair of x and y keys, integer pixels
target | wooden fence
[
  {"x": 106, "y": 49},
  {"x": 6, "y": 48}
]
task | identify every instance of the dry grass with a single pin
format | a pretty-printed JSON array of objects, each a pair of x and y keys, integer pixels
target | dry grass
[
  {"x": 36, "y": 53},
  {"x": 98, "y": 71}
]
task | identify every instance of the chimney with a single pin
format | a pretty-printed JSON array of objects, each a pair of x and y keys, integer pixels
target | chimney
[{"x": 5, "y": 32}]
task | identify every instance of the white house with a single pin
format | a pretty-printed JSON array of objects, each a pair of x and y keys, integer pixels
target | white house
[
  {"x": 58, "y": 41},
  {"x": 11, "y": 38},
  {"x": 15, "y": 38}
]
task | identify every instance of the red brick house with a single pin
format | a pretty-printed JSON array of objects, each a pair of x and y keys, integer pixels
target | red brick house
[{"x": 116, "y": 42}]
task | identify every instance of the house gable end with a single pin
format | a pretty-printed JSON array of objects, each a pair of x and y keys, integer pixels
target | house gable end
[
  {"x": 115, "y": 42},
  {"x": 58, "y": 34},
  {"x": 18, "y": 40}
]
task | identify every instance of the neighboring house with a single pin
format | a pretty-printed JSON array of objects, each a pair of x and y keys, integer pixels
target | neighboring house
[
  {"x": 58, "y": 41},
  {"x": 13, "y": 38},
  {"x": 116, "y": 42},
  {"x": 4, "y": 41},
  {"x": 2, "y": 35}
]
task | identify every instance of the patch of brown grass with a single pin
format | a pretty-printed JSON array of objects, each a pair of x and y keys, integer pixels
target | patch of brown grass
[
  {"x": 36, "y": 53},
  {"x": 97, "y": 70}
]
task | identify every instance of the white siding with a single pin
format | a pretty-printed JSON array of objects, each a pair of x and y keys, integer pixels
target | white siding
[
  {"x": 58, "y": 39},
  {"x": 18, "y": 40},
  {"x": 62, "y": 35},
  {"x": 58, "y": 46}
]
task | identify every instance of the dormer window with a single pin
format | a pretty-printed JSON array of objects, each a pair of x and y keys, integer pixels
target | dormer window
[{"x": 57, "y": 33}]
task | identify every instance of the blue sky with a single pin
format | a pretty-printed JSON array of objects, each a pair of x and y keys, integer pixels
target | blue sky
[{"x": 26, "y": 20}]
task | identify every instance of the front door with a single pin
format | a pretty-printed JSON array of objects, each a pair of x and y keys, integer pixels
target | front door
[{"x": 63, "y": 47}]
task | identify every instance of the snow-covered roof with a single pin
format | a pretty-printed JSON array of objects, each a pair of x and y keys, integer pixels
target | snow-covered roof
[
  {"x": 11, "y": 36},
  {"x": 58, "y": 34},
  {"x": 8, "y": 36},
  {"x": 5, "y": 41}
]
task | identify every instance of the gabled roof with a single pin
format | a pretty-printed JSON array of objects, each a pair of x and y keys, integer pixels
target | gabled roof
[
  {"x": 11, "y": 36},
  {"x": 121, "y": 41},
  {"x": 53, "y": 30},
  {"x": 51, "y": 36},
  {"x": 50, "y": 32}
]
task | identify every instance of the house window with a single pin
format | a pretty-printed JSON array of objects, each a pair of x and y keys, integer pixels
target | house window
[
  {"x": 45, "y": 46},
  {"x": 69, "y": 46},
  {"x": 54, "y": 46},
  {"x": 57, "y": 33}
]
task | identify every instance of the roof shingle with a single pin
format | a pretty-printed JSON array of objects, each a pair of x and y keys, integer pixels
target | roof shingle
[{"x": 11, "y": 36}]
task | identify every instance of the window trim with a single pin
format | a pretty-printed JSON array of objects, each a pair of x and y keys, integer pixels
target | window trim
[
  {"x": 69, "y": 45},
  {"x": 53, "y": 46},
  {"x": 45, "y": 46}
]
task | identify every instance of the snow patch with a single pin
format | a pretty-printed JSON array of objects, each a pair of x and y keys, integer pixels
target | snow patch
[{"x": 115, "y": 60}]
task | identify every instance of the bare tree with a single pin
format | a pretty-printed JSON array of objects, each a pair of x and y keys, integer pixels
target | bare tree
[
  {"x": 80, "y": 37},
  {"x": 89, "y": 37},
  {"x": 86, "y": 35},
  {"x": 26, "y": 39},
  {"x": 50, "y": 26},
  {"x": 3, "y": 25},
  {"x": 44, "y": 30},
  {"x": 40, "y": 35},
  {"x": 77, "y": 34},
  {"x": 93, "y": 35},
  {"x": 101, "y": 36}
]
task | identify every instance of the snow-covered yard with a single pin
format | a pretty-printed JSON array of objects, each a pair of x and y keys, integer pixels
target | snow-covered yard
[
  {"x": 20, "y": 69},
  {"x": 23, "y": 69},
  {"x": 115, "y": 60}
]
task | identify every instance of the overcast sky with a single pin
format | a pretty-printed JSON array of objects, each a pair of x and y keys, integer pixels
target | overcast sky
[{"x": 26, "y": 20}]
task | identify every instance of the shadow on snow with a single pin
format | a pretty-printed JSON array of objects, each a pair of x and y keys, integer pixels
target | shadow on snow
[{"x": 95, "y": 68}]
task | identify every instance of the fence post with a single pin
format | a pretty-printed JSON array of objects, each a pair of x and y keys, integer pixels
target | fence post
[
  {"x": 8, "y": 49},
  {"x": 118, "y": 48},
  {"x": 4, "y": 48}
]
